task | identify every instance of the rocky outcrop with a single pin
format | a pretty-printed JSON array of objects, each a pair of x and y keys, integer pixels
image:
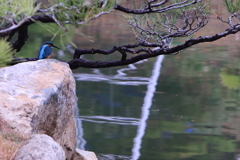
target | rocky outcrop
[
  {"x": 42, "y": 147},
  {"x": 39, "y": 98}
]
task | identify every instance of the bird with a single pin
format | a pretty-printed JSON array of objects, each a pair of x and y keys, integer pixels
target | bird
[{"x": 46, "y": 50}]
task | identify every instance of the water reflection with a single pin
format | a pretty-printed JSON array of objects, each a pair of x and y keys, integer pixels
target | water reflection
[
  {"x": 120, "y": 78},
  {"x": 151, "y": 88},
  {"x": 191, "y": 116},
  {"x": 109, "y": 119},
  {"x": 141, "y": 122},
  {"x": 195, "y": 105}
]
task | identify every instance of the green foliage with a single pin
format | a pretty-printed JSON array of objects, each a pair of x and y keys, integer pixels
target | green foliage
[
  {"x": 230, "y": 78},
  {"x": 78, "y": 11},
  {"x": 40, "y": 33},
  {"x": 5, "y": 52},
  {"x": 200, "y": 7},
  {"x": 16, "y": 10},
  {"x": 232, "y": 6},
  {"x": 69, "y": 14}
]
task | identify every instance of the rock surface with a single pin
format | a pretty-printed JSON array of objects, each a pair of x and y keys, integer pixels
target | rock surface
[
  {"x": 87, "y": 155},
  {"x": 41, "y": 147},
  {"x": 39, "y": 97}
]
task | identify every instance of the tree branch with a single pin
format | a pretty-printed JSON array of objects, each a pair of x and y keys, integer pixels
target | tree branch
[
  {"x": 78, "y": 62},
  {"x": 145, "y": 48},
  {"x": 152, "y": 5},
  {"x": 148, "y": 53},
  {"x": 23, "y": 30}
]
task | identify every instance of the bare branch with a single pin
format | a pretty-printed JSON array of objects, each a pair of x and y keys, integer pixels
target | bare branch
[
  {"x": 150, "y": 8},
  {"x": 162, "y": 31},
  {"x": 50, "y": 11},
  {"x": 230, "y": 20},
  {"x": 159, "y": 4},
  {"x": 92, "y": 18},
  {"x": 14, "y": 26},
  {"x": 148, "y": 53},
  {"x": 165, "y": 28},
  {"x": 76, "y": 62}
]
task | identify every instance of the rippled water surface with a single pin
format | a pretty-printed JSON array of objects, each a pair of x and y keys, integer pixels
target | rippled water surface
[
  {"x": 171, "y": 107},
  {"x": 183, "y": 107}
]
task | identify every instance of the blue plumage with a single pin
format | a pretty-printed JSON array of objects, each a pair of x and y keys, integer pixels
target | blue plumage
[{"x": 46, "y": 50}]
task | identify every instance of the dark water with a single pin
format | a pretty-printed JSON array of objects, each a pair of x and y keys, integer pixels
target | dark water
[
  {"x": 183, "y": 107},
  {"x": 162, "y": 109}
]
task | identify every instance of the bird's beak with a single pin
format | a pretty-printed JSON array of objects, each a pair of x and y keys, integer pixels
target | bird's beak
[{"x": 56, "y": 47}]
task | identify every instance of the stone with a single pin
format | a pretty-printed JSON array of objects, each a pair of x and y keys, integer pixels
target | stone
[
  {"x": 39, "y": 97},
  {"x": 87, "y": 155},
  {"x": 41, "y": 147}
]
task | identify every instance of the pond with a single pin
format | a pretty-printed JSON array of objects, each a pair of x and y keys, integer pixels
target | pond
[{"x": 182, "y": 107}]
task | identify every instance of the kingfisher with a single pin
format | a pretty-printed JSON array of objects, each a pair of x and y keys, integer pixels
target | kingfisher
[{"x": 46, "y": 50}]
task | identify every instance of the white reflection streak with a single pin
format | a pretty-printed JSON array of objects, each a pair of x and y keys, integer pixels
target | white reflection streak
[
  {"x": 130, "y": 67},
  {"x": 110, "y": 119},
  {"x": 81, "y": 142},
  {"x": 97, "y": 71},
  {"x": 121, "y": 80},
  {"x": 151, "y": 88}
]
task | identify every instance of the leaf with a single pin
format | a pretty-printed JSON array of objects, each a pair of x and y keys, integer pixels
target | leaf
[{"x": 5, "y": 52}]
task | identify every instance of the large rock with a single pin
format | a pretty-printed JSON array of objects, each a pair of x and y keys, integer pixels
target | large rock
[
  {"x": 39, "y": 97},
  {"x": 41, "y": 147}
]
